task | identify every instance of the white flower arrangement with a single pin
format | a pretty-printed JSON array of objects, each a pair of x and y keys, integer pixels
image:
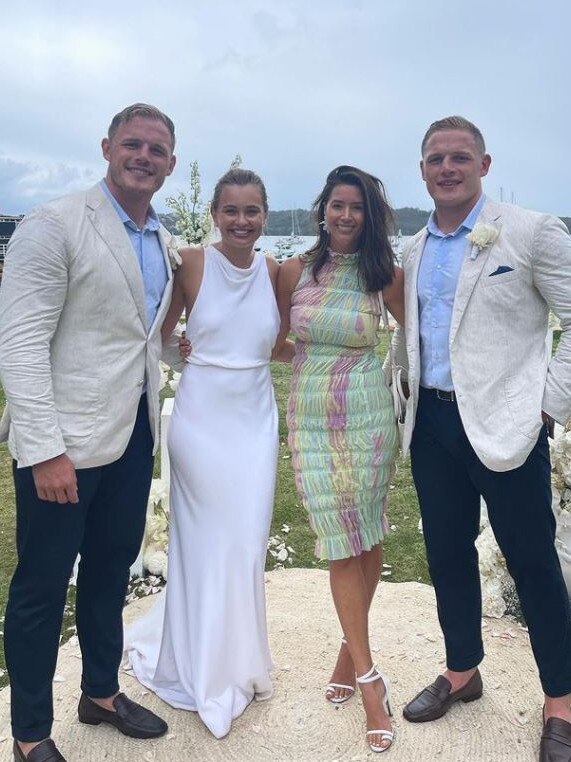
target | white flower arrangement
[
  {"x": 156, "y": 562},
  {"x": 482, "y": 236},
  {"x": 156, "y": 540},
  {"x": 561, "y": 485},
  {"x": 497, "y": 585},
  {"x": 168, "y": 377},
  {"x": 173, "y": 383},
  {"x": 561, "y": 464}
]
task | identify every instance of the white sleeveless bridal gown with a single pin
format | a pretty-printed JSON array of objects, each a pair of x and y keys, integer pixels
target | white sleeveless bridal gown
[{"x": 204, "y": 644}]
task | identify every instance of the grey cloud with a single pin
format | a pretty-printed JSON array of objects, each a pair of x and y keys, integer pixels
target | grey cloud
[
  {"x": 295, "y": 87},
  {"x": 24, "y": 185}
]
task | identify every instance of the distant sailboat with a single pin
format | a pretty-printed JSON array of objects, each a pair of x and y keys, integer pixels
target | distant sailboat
[
  {"x": 295, "y": 238},
  {"x": 286, "y": 247}
]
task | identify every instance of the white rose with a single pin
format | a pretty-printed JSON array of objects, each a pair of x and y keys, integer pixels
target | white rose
[
  {"x": 174, "y": 381},
  {"x": 493, "y": 604},
  {"x": 482, "y": 235},
  {"x": 155, "y": 561},
  {"x": 157, "y": 525},
  {"x": 159, "y": 493},
  {"x": 171, "y": 245}
]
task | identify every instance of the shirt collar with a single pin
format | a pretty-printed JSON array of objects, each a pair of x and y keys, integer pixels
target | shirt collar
[
  {"x": 467, "y": 224},
  {"x": 152, "y": 222}
]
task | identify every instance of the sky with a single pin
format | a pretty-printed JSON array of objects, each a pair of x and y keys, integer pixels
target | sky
[{"x": 296, "y": 87}]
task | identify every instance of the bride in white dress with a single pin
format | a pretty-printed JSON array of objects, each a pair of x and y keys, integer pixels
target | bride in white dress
[{"x": 204, "y": 645}]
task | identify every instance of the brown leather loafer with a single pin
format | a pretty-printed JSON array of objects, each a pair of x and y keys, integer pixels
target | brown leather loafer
[
  {"x": 46, "y": 751},
  {"x": 129, "y": 718},
  {"x": 555, "y": 743},
  {"x": 435, "y": 700}
]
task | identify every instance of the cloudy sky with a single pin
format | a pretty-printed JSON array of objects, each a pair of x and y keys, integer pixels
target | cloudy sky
[{"x": 295, "y": 87}]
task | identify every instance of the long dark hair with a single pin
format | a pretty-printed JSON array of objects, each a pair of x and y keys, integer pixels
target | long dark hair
[{"x": 376, "y": 257}]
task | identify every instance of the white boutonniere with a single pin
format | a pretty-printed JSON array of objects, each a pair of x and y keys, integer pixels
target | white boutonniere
[
  {"x": 482, "y": 236},
  {"x": 172, "y": 252}
]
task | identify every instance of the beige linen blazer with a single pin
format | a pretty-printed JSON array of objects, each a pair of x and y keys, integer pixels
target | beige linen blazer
[
  {"x": 501, "y": 366},
  {"x": 75, "y": 348}
]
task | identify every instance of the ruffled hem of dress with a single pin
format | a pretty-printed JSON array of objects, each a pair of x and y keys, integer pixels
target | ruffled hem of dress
[{"x": 348, "y": 545}]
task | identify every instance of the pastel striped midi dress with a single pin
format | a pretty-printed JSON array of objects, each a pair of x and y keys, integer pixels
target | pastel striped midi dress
[{"x": 342, "y": 432}]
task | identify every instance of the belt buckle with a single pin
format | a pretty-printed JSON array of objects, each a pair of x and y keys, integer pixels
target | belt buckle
[{"x": 446, "y": 396}]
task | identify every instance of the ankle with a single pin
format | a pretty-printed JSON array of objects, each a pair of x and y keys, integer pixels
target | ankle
[
  {"x": 557, "y": 707},
  {"x": 459, "y": 679},
  {"x": 368, "y": 676},
  {"x": 105, "y": 703},
  {"x": 27, "y": 746}
]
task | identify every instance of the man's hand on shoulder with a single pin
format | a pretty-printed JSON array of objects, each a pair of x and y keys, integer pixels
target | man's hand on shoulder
[{"x": 56, "y": 480}]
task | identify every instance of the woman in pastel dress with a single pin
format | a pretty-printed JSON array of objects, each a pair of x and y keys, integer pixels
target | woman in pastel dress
[
  {"x": 204, "y": 647},
  {"x": 342, "y": 431}
]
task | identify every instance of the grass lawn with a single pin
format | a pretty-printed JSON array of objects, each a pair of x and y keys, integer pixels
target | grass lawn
[{"x": 404, "y": 548}]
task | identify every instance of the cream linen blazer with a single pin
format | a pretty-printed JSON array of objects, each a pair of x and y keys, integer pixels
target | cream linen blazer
[
  {"x": 75, "y": 348},
  {"x": 501, "y": 366}
]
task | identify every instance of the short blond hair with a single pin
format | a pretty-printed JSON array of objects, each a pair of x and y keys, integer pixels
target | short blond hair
[
  {"x": 144, "y": 110},
  {"x": 455, "y": 123}
]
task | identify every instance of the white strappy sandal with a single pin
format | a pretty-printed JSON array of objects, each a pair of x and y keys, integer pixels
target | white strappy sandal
[
  {"x": 386, "y": 735},
  {"x": 332, "y": 687}
]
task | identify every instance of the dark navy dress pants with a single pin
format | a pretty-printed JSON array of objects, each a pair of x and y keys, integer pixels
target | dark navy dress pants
[
  {"x": 450, "y": 479},
  {"x": 106, "y": 527}
]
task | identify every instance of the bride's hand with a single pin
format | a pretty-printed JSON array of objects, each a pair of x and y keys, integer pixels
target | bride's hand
[{"x": 184, "y": 346}]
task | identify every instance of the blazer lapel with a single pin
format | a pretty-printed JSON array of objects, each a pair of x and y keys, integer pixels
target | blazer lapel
[
  {"x": 164, "y": 239},
  {"x": 112, "y": 231},
  {"x": 471, "y": 270},
  {"x": 411, "y": 266}
]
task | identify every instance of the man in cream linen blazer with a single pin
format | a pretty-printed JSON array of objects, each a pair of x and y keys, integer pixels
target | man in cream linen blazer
[
  {"x": 479, "y": 283},
  {"x": 86, "y": 285}
]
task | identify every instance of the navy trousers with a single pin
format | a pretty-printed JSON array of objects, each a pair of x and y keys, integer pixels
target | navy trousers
[
  {"x": 450, "y": 479},
  {"x": 106, "y": 527}
]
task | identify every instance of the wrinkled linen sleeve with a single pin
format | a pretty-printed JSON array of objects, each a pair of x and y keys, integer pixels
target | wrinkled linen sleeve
[{"x": 32, "y": 295}]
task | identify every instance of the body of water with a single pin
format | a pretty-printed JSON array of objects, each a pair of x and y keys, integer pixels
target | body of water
[{"x": 283, "y": 247}]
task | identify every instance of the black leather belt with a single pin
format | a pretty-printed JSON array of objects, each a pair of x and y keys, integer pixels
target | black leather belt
[{"x": 441, "y": 394}]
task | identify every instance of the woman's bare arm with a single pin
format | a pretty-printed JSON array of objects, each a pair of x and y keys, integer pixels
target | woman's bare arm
[
  {"x": 393, "y": 296},
  {"x": 288, "y": 277},
  {"x": 187, "y": 280}
]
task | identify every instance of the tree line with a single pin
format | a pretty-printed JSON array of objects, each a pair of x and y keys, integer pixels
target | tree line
[
  {"x": 190, "y": 215},
  {"x": 407, "y": 220}
]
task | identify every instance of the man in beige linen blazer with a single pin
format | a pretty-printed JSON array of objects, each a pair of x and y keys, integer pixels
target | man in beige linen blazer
[
  {"x": 503, "y": 372},
  {"x": 86, "y": 385},
  {"x": 86, "y": 284},
  {"x": 480, "y": 280}
]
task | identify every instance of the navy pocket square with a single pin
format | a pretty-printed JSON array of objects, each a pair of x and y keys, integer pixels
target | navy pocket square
[{"x": 502, "y": 269}]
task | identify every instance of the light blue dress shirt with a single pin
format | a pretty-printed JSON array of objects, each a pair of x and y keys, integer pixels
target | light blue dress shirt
[
  {"x": 436, "y": 285},
  {"x": 149, "y": 254}
]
